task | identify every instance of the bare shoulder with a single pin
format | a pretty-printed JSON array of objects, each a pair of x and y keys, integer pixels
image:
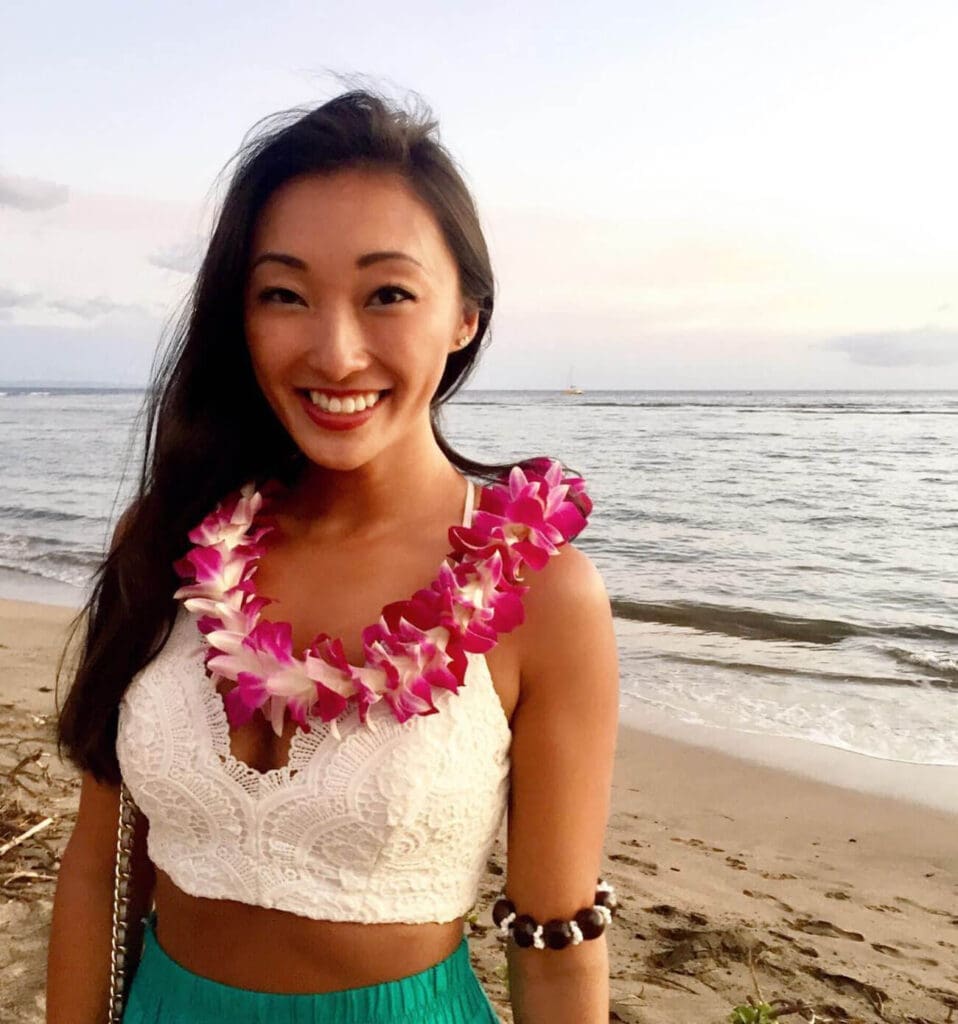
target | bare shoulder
[{"x": 567, "y": 608}]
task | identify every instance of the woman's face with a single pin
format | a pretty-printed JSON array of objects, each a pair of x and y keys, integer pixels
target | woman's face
[{"x": 352, "y": 299}]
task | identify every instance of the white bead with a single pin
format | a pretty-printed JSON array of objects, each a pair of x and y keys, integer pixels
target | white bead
[
  {"x": 605, "y": 914},
  {"x": 577, "y": 936},
  {"x": 506, "y": 921},
  {"x": 537, "y": 939}
]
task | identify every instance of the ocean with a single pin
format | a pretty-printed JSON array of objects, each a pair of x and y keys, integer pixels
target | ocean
[{"x": 779, "y": 563}]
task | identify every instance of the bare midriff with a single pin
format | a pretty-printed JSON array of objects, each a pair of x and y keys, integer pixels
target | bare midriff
[{"x": 275, "y": 951}]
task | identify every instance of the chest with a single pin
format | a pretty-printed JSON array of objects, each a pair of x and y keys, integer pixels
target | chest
[{"x": 339, "y": 590}]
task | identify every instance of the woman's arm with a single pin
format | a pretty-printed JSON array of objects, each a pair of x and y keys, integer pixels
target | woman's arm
[
  {"x": 78, "y": 958},
  {"x": 78, "y": 954},
  {"x": 563, "y": 747}
]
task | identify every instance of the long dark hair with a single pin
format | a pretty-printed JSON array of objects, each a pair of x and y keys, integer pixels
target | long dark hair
[{"x": 197, "y": 448}]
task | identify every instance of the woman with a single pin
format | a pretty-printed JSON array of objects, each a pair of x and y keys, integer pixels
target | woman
[{"x": 319, "y": 794}]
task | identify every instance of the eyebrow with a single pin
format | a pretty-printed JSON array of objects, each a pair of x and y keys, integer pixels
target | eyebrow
[{"x": 362, "y": 261}]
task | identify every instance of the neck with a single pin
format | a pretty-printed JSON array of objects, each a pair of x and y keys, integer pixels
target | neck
[{"x": 385, "y": 492}]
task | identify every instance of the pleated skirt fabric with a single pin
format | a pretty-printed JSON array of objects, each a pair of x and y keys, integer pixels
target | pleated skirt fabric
[{"x": 163, "y": 992}]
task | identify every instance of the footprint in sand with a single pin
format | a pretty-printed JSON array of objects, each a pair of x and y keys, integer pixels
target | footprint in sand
[
  {"x": 805, "y": 950},
  {"x": 647, "y": 867},
  {"x": 928, "y": 910},
  {"x": 812, "y": 927},
  {"x": 698, "y": 843},
  {"x": 780, "y": 877},
  {"x": 883, "y": 908},
  {"x": 847, "y": 984},
  {"x": 837, "y": 894},
  {"x": 737, "y": 863},
  {"x": 768, "y": 896},
  {"x": 891, "y": 951}
]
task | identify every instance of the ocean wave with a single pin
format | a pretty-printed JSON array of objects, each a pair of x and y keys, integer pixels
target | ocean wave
[
  {"x": 752, "y": 668},
  {"x": 59, "y": 573},
  {"x": 759, "y": 625},
  {"x": 47, "y": 515},
  {"x": 940, "y": 664}
]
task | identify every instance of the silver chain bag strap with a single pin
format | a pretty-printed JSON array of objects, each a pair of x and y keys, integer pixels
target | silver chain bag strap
[{"x": 121, "y": 905}]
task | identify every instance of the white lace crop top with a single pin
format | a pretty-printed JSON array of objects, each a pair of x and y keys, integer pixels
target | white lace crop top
[{"x": 393, "y": 823}]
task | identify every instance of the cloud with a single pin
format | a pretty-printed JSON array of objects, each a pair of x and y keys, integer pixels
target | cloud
[
  {"x": 31, "y": 193},
  {"x": 10, "y": 298},
  {"x": 86, "y": 309},
  {"x": 91, "y": 309},
  {"x": 184, "y": 257},
  {"x": 925, "y": 346}
]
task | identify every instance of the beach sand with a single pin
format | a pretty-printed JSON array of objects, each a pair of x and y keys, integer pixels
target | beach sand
[{"x": 733, "y": 877}]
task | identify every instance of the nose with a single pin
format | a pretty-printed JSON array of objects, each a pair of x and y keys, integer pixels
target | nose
[{"x": 337, "y": 348}]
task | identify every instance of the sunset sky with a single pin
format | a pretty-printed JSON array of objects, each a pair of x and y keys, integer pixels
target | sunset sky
[{"x": 688, "y": 195}]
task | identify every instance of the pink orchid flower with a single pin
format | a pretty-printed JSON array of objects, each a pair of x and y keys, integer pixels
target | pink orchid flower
[
  {"x": 228, "y": 523},
  {"x": 263, "y": 665},
  {"x": 216, "y": 571},
  {"x": 336, "y": 680},
  {"x": 548, "y": 471},
  {"x": 526, "y": 521},
  {"x": 487, "y": 603},
  {"x": 413, "y": 661}
]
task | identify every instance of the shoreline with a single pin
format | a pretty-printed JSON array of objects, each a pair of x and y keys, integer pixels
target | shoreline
[
  {"x": 16, "y": 585},
  {"x": 930, "y": 786}
]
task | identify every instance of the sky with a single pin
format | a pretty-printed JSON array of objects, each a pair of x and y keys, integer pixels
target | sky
[{"x": 688, "y": 195}]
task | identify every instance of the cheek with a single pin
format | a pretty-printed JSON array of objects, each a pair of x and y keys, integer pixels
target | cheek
[{"x": 269, "y": 350}]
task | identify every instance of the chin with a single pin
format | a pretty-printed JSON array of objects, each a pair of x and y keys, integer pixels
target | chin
[{"x": 339, "y": 462}]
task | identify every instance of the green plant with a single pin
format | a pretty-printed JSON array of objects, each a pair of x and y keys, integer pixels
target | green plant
[{"x": 760, "y": 1013}]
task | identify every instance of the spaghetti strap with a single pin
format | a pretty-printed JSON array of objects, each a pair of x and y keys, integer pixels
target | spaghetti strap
[{"x": 470, "y": 502}]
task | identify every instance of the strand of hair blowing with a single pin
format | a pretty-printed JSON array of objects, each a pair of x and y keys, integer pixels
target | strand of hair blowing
[{"x": 208, "y": 427}]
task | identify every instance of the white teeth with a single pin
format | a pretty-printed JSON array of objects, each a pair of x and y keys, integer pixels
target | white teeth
[{"x": 350, "y": 404}]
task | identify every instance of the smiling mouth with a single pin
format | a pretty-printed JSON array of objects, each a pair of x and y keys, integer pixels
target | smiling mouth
[{"x": 345, "y": 404}]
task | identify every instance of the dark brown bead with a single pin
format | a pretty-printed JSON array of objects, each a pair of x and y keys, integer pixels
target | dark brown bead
[
  {"x": 556, "y": 934},
  {"x": 523, "y": 930},
  {"x": 607, "y": 900},
  {"x": 501, "y": 910},
  {"x": 590, "y": 922}
]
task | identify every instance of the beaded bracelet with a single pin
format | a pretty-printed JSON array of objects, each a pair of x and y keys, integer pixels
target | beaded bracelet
[{"x": 588, "y": 923}]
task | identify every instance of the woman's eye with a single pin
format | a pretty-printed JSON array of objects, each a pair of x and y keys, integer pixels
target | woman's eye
[
  {"x": 391, "y": 291},
  {"x": 281, "y": 295}
]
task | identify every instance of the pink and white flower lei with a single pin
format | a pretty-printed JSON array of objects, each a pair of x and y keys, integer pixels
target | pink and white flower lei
[{"x": 522, "y": 520}]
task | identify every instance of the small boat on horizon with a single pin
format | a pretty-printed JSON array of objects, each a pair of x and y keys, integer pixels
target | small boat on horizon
[{"x": 572, "y": 390}]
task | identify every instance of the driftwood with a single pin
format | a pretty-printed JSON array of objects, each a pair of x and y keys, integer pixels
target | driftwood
[{"x": 32, "y": 831}]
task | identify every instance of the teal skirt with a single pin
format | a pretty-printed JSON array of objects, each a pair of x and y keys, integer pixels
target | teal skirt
[{"x": 163, "y": 992}]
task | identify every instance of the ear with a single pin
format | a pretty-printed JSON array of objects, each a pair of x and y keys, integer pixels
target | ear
[{"x": 466, "y": 328}]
